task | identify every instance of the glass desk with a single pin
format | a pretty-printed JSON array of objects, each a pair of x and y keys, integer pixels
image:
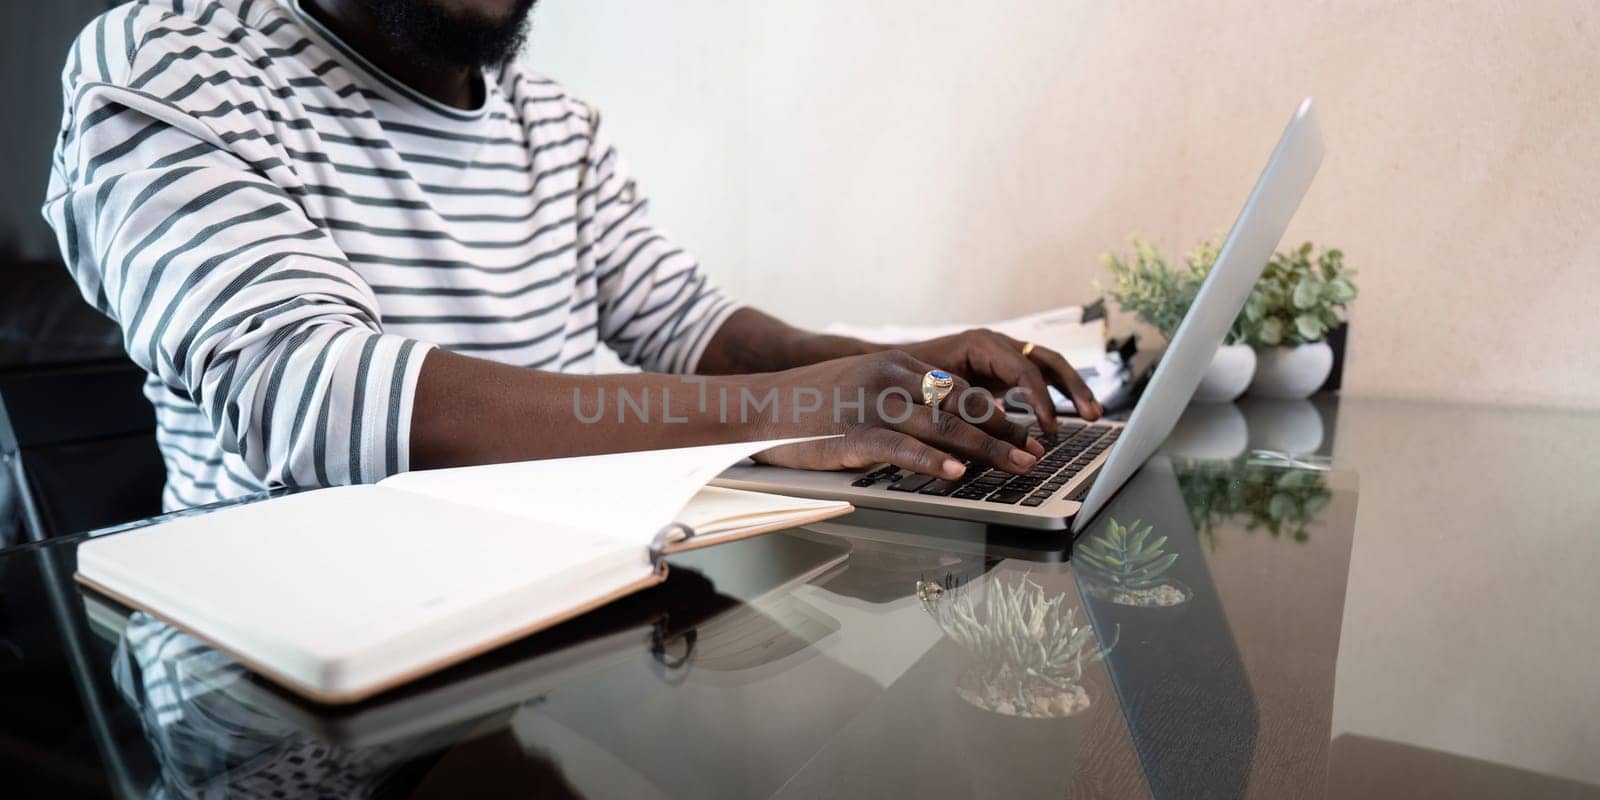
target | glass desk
[{"x": 1187, "y": 650}]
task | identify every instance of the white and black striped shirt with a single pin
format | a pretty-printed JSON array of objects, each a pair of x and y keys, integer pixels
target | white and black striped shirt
[{"x": 282, "y": 231}]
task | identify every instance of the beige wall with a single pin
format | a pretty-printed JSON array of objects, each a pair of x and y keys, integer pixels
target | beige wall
[{"x": 927, "y": 159}]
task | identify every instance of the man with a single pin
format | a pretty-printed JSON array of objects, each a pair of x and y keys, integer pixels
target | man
[{"x": 353, "y": 237}]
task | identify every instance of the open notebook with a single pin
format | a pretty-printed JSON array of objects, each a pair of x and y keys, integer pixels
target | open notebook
[{"x": 340, "y": 593}]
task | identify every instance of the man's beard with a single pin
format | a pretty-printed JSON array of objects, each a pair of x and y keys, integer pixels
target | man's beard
[{"x": 441, "y": 38}]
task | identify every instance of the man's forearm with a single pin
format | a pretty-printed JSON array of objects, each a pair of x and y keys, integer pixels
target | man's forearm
[
  {"x": 752, "y": 341},
  {"x": 472, "y": 411}
]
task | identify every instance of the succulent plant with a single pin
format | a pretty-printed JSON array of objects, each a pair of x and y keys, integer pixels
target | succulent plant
[
  {"x": 1124, "y": 558},
  {"x": 1028, "y": 651}
]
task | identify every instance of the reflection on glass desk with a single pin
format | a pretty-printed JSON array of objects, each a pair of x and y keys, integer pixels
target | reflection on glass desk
[{"x": 1186, "y": 647}]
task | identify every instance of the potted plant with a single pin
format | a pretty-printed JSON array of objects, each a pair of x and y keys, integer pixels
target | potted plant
[
  {"x": 1123, "y": 566},
  {"x": 1146, "y": 286},
  {"x": 1288, "y": 316}
]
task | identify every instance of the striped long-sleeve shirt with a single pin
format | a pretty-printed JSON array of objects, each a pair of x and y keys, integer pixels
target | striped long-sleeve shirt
[{"x": 282, "y": 232}]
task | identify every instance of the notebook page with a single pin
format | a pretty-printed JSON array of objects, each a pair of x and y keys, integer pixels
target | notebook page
[
  {"x": 716, "y": 509},
  {"x": 630, "y": 496}
]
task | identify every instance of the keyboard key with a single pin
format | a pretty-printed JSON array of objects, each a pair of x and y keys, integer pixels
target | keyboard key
[
  {"x": 1010, "y": 496},
  {"x": 1033, "y": 501},
  {"x": 911, "y": 483},
  {"x": 862, "y": 482},
  {"x": 941, "y": 488},
  {"x": 969, "y": 494}
]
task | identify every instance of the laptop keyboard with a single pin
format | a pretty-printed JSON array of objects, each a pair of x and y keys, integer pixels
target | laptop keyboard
[{"x": 1074, "y": 446}]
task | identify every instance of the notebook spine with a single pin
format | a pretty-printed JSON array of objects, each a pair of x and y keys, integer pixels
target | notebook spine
[{"x": 675, "y": 532}]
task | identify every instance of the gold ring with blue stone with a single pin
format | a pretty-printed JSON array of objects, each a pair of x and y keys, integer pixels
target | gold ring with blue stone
[{"x": 936, "y": 384}]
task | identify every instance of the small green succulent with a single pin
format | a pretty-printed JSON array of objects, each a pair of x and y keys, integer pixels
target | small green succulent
[{"x": 1123, "y": 558}]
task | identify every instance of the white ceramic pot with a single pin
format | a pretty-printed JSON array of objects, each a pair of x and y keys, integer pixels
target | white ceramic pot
[
  {"x": 1291, "y": 373},
  {"x": 1232, "y": 367}
]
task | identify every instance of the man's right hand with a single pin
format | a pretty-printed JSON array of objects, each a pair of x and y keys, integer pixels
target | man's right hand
[{"x": 892, "y": 425}]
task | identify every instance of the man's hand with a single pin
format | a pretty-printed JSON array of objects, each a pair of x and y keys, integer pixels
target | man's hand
[
  {"x": 892, "y": 425},
  {"x": 994, "y": 361}
]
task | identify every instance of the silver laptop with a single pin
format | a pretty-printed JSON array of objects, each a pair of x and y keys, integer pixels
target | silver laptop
[{"x": 1086, "y": 463}]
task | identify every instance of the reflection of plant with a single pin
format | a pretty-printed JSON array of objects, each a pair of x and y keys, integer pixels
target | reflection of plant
[
  {"x": 1028, "y": 651},
  {"x": 1276, "y": 499},
  {"x": 1121, "y": 560}
]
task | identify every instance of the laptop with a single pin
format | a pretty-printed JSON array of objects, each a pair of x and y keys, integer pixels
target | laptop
[{"x": 1085, "y": 463}]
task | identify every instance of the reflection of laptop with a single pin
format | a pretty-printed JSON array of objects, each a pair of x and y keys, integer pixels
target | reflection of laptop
[
  {"x": 1189, "y": 704},
  {"x": 1087, "y": 463}
]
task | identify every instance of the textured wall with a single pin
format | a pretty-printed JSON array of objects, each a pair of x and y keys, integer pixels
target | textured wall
[{"x": 912, "y": 161}]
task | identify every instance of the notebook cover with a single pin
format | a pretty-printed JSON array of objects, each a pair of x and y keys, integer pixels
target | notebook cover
[{"x": 357, "y": 695}]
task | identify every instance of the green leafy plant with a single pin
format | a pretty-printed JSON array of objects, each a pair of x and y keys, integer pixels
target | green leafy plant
[
  {"x": 1146, "y": 285},
  {"x": 1028, "y": 650},
  {"x": 1275, "y": 499},
  {"x": 1299, "y": 297},
  {"x": 1123, "y": 558},
  {"x": 1297, "y": 300}
]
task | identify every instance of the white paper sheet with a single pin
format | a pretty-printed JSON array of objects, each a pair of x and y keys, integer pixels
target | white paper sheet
[{"x": 622, "y": 494}]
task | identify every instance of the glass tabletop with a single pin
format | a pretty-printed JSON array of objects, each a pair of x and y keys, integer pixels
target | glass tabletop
[{"x": 1184, "y": 647}]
